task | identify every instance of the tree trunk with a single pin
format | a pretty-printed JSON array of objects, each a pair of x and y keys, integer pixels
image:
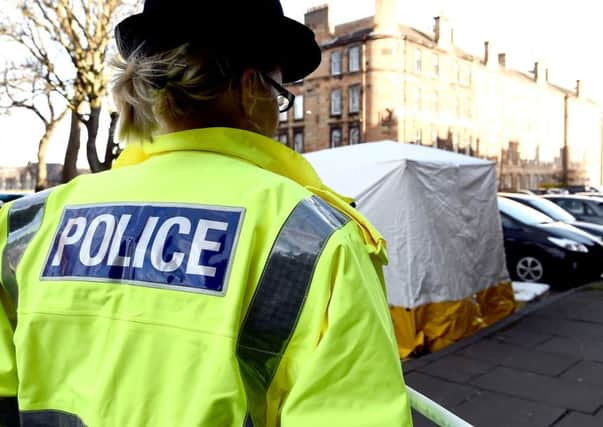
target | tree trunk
[
  {"x": 112, "y": 151},
  {"x": 92, "y": 127},
  {"x": 73, "y": 148},
  {"x": 42, "y": 173}
]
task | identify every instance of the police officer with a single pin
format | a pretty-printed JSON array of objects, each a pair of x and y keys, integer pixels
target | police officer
[{"x": 210, "y": 279}]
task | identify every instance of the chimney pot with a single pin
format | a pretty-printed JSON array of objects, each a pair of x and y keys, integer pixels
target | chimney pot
[
  {"x": 502, "y": 60},
  {"x": 444, "y": 34}
]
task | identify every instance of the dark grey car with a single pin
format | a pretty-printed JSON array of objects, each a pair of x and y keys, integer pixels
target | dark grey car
[
  {"x": 555, "y": 211},
  {"x": 587, "y": 209}
]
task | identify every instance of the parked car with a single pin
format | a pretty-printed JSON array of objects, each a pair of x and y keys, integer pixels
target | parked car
[
  {"x": 555, "y": 212},
  {"x": 539, "y": 249},
  {"x": 589, "y": 194},
  {"x": 7, "y": 197},
  {"x": 573, "y": 189},
  {"x": 587, "y": 209}
]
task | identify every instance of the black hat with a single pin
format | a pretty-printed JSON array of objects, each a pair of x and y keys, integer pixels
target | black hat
[{"x": 249, "y": 32}]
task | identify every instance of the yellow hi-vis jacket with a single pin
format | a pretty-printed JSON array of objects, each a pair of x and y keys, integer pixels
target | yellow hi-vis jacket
[{"x": 210, "y": 279}]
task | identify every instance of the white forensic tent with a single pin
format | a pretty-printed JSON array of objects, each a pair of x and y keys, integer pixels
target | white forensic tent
[{"x": 437, "y": 211}]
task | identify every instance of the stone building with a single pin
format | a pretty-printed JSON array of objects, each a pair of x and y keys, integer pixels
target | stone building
[
  {"x": 24, "y": 178},
  {"x": 380, "y": 80}
]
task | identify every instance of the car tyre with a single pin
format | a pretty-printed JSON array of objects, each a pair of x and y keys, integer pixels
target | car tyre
[{"x": 529, "y": 268}]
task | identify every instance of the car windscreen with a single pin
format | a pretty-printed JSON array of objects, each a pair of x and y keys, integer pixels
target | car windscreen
[
  {"x": 522, "y": 213},
  {"x": 551, "y": 209}
]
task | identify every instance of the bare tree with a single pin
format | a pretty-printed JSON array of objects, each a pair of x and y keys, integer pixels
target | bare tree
[
  {"x": 72, "y": 39},
  {"x": 27, "y": 87}
]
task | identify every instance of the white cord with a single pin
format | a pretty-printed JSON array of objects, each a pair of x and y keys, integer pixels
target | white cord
[{"x": 434, "y": 412}]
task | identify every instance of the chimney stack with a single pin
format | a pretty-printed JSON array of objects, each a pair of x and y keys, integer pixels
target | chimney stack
[
  {"x": 502, "y": 60},
  {"x": 444, "y": 34},
  {"x": 490, "y": 59},
  {"x": 579, "y": 88},
  {"x": 319, "y": 20},
  {"x": 386, "y": 17},
  {"x": 540, "y": 73}
]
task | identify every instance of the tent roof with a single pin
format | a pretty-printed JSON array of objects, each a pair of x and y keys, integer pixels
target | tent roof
[{"x": 388, "y": 151}]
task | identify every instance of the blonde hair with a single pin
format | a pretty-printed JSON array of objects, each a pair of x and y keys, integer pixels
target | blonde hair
[{"x": 167, "y": 87}]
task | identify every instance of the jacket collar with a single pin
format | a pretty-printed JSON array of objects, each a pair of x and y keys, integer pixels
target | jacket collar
[{"x": 249, "y": 146}]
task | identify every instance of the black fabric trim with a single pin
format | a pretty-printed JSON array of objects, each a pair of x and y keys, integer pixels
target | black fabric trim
[
  {"x": 247, "y": 422},
  {"x": 280, "y": 295},
  {"x": 24, "y": 221},
  {"x": 9, "y": 412},
  {"x": 50, "y": 418}
]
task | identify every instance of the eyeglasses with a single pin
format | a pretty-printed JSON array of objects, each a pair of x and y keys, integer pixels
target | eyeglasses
[{"x": 284, "y": 98}]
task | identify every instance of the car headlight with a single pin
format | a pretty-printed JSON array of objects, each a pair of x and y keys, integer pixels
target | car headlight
[{"x": 569, "y": 244}]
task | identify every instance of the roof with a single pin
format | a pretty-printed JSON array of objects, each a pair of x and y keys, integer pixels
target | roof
[{"x": 391, "y": 151}]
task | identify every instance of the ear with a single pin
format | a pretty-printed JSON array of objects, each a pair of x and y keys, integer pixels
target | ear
[{"x": 248, "y": 91}]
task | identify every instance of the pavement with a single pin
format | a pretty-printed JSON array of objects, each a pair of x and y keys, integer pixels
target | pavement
[{"x": 541, "y": 367}]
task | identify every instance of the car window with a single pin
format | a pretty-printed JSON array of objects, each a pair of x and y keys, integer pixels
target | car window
[
  {"x": 508, "y": 223},
  {"x": 575, "y": 207},
  {"x": 589, "y": 210},
  {"x": 522, "y": 213},
  {"x": 551, "y": 209}
]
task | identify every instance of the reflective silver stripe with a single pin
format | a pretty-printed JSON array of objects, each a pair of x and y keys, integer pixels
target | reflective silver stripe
[
  {"x": 24, "y": 220},
  {"x": 50, "y": 419},
  {"x": 279, "y": 298}
]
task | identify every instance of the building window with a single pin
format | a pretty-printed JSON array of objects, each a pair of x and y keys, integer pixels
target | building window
[
  {"x": 298, "y": 108},
  {"x": 354, "y": 59},
  {"x": 284, "y": 116},
  {"x": 465, "y": 75},
  {"x": 418, "y": 60},
  {"x": 335, "y": 137},
  {"x": 336, "y": 63},
  {"x": 436, "y": 64},
  {"x": 354, "y": 134},
  {"x": 283, "y": 138},
  {"x": 419, "y": 136},
  {"x": 354, "y": 99},
  {"x": 419, "y": 99},
  {"x": 298, "y": 140},
  {"x": 434, "y": 138},
  {"x": 336, "y": 102}
]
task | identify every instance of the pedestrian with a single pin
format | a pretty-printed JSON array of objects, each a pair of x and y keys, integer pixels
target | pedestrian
[{"x": 210, "y": 278}]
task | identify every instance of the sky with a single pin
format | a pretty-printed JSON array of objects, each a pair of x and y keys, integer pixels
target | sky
[{"x": 565, "y": 35}]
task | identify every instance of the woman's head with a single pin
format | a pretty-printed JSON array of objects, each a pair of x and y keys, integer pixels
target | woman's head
[
  {"x": 186, "y": 88},
  {"x": 198, "y": 64}
]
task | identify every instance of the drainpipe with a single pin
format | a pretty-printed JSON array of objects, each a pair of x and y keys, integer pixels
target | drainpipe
[{"x": 565, "y": 151}]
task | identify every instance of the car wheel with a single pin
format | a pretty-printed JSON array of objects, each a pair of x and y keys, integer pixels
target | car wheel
[{"x": 529, "y": 269}]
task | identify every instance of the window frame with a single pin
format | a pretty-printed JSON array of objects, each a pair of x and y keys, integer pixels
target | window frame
[
  {"x": 296, "y": 132},
  {"x": 299, "y": 99},
  {"x": 283, "y": 117},
  {"x": 339, "y": 71},
  {"x": 436, "y": 64},
  {"x": 418, "y": 60},
  {"x": 336, "y": 128},
  {"x": 354, "y": 127},
  {"x": 282, "y": 134},
  {"x": 351, "y": 89},
  {"x": 332, "y": 103},
  {"x": 358, "y": 63}
]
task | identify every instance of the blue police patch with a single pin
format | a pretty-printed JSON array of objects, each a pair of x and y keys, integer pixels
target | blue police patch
[{"x": 181, "y": 247}]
